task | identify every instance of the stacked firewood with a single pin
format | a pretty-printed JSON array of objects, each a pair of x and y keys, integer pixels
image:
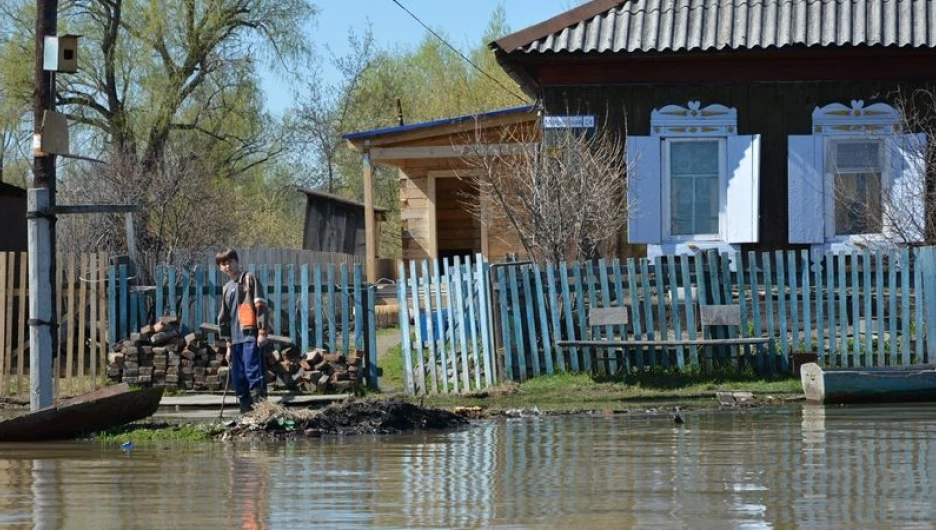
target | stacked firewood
[{"x": 158, "y": 355}]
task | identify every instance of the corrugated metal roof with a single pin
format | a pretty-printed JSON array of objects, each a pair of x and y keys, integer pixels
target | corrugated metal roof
[{"x": 685, "y": 25}]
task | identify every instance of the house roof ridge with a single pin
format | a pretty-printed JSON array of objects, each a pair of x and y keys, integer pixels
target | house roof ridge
[
  {"x": 622, "y": 26},
  {"x": 523, "y": 37}
]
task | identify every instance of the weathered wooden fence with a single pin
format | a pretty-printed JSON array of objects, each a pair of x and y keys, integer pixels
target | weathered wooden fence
[
  {"x": 99, "y": 303},
  {"x": 445, "y": 323},
  {"x": 858, "y": 309},
  {"x": 81, "y": 312},
  {"x": 866, "y": 308},
  {"x": 317, "y": 306}
]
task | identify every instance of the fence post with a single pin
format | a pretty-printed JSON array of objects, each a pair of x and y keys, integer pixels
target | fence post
[{"x": 370, "y": 336}]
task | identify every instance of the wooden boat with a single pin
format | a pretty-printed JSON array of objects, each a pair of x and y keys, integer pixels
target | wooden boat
[
  {"x": 71, "y": 418},
  {"x": 883, "y": 384}
]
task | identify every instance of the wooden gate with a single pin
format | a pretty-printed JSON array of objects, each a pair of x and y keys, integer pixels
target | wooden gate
[{"x": 445, "y": 320}]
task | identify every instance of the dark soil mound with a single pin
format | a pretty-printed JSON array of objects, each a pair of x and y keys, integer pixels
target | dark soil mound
[
  {"x": 354, "y": 417},
  {"x": 382, "y": 417}
]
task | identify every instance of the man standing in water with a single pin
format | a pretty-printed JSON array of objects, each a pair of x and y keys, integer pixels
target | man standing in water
[{"x": 243, "y": 322}]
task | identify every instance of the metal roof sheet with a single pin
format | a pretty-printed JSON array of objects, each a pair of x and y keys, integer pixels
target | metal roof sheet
[
  {"x": 687, "y": 25},
  {"x": 447, "y": 121}
]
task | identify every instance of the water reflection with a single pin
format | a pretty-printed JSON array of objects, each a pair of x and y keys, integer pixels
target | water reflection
[{"x": 809, "y": 467}]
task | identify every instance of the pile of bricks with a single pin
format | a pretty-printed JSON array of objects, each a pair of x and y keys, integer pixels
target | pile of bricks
[
  {"x": 158, "y": 355},
  {"x": 315, "y": 371}
]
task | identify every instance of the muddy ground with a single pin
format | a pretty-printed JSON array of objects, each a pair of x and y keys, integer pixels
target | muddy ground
[{"x": 362, "y": 416}]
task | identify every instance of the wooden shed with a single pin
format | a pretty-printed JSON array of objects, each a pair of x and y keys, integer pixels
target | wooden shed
[
  {"x": 435, "y": 197},
  {"x": 12, "y": 218},
  {"x": 336, "y": 224}
]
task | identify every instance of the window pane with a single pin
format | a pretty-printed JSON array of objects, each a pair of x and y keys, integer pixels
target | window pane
[
  {"x": 693, "y": 158},
  {"x": 857, "y": 203},
  {"x": 860, "y": 155},
  {"x": 694, "y": 196}
]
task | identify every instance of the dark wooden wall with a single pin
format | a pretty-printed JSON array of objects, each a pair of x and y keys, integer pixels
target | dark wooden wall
[
  {"x": 13, "y": 236},
  {"x": 774, "y": 110},
  {"x": 458, "y": 232},
  {"x": 333, "y": 227}
]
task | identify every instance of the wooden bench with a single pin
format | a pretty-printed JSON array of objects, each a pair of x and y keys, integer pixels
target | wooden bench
[{"x": 709, "y": 316}]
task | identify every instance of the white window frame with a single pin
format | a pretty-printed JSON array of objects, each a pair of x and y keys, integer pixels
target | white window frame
[
  {"x": 674, "y": 123},
  {"x": 835, "y": 123},
  {"x": 667, "y": 217},
  {"x": 828, "y": 171}
]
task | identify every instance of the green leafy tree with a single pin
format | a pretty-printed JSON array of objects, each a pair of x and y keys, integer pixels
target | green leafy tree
[{"x": 167, "y": 95}]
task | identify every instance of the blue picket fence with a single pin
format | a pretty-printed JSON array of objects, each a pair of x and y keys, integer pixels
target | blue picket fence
[
  {"x": 445, "y": 321},
  {"x": 859, "y": 309},
  {"x": 329, "y": 307}
]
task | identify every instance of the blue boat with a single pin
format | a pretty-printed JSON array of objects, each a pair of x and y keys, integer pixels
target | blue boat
[{"x": 882, "y": 384}]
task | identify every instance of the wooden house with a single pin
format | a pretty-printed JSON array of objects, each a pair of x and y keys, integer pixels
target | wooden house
[
  {"x": 433, "y": 159},
  {"x": 751, "y": 124},
  {"x": 336, "y": 224}
]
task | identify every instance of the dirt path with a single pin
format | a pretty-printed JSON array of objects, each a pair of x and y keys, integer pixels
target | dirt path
[{"x": 386, "y": 340}]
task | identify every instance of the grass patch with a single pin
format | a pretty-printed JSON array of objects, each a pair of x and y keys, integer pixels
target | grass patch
[
  {"x": 392, "y": 364},
  {"x": 161, "y": 432},
  {"x": 579, "y": 391}
]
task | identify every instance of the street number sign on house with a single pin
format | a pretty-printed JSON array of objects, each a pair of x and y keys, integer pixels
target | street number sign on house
[{"x": 569, "y": 122}]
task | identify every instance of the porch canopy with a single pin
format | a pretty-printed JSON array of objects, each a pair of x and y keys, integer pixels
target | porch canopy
[{"x": 435, "y": 221}]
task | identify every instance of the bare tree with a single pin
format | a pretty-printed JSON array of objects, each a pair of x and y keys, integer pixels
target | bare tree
[
  {"x": 909, "y": 204},
  {"x": 326, "y": 110},
  {"x": 562, "y": 193},
  {"x": 183, "y": 212}
]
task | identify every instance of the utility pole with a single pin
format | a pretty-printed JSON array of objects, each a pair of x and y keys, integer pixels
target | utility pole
[{"x": 41, "y": 224}]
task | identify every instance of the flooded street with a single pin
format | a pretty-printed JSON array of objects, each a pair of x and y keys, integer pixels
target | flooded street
[{"x": 791, "y": 467}]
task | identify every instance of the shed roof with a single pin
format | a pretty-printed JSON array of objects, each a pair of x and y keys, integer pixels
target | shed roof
[
  {"x": 611, "y": 26},
  {"x": 336, "y": 198},
  {"x": 390, "y": 131}
]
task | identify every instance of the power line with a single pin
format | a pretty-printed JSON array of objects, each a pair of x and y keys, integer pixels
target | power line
[{"x": 460, "y": 54}]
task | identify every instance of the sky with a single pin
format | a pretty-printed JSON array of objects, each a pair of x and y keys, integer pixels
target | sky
[{"x": 462, "y": 22}]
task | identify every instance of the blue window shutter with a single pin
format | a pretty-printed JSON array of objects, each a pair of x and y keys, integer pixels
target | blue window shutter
[
  {"x": 904, "y": 210},
  {"x": 743, "y": 185},
  {"x": 644, "y": 185},
  {"x": 805, "y": 196}
]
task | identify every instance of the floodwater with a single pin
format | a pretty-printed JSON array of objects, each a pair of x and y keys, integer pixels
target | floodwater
[{"x": 789, "y": 467}]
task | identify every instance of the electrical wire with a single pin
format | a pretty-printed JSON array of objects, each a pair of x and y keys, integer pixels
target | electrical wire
[{"x": 460, "y": 54}]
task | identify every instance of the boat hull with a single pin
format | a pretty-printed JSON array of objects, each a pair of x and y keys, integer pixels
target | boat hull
[
  {"x": 82, "y": 415},
  {"x": 886, "y": 384}
]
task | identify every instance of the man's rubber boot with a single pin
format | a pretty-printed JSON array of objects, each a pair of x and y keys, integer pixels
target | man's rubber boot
[
  {"x": 257, "y": 395},
  {"x": 246, "y": 405}
]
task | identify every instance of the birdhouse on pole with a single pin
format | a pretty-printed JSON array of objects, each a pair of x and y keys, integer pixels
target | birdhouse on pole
[{"x": 61, "y": 53}]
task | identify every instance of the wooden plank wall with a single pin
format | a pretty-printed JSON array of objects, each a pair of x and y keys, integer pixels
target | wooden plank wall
[
  {"x": 871, "y": 308},
  {"x": 416, "y": 201}
]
